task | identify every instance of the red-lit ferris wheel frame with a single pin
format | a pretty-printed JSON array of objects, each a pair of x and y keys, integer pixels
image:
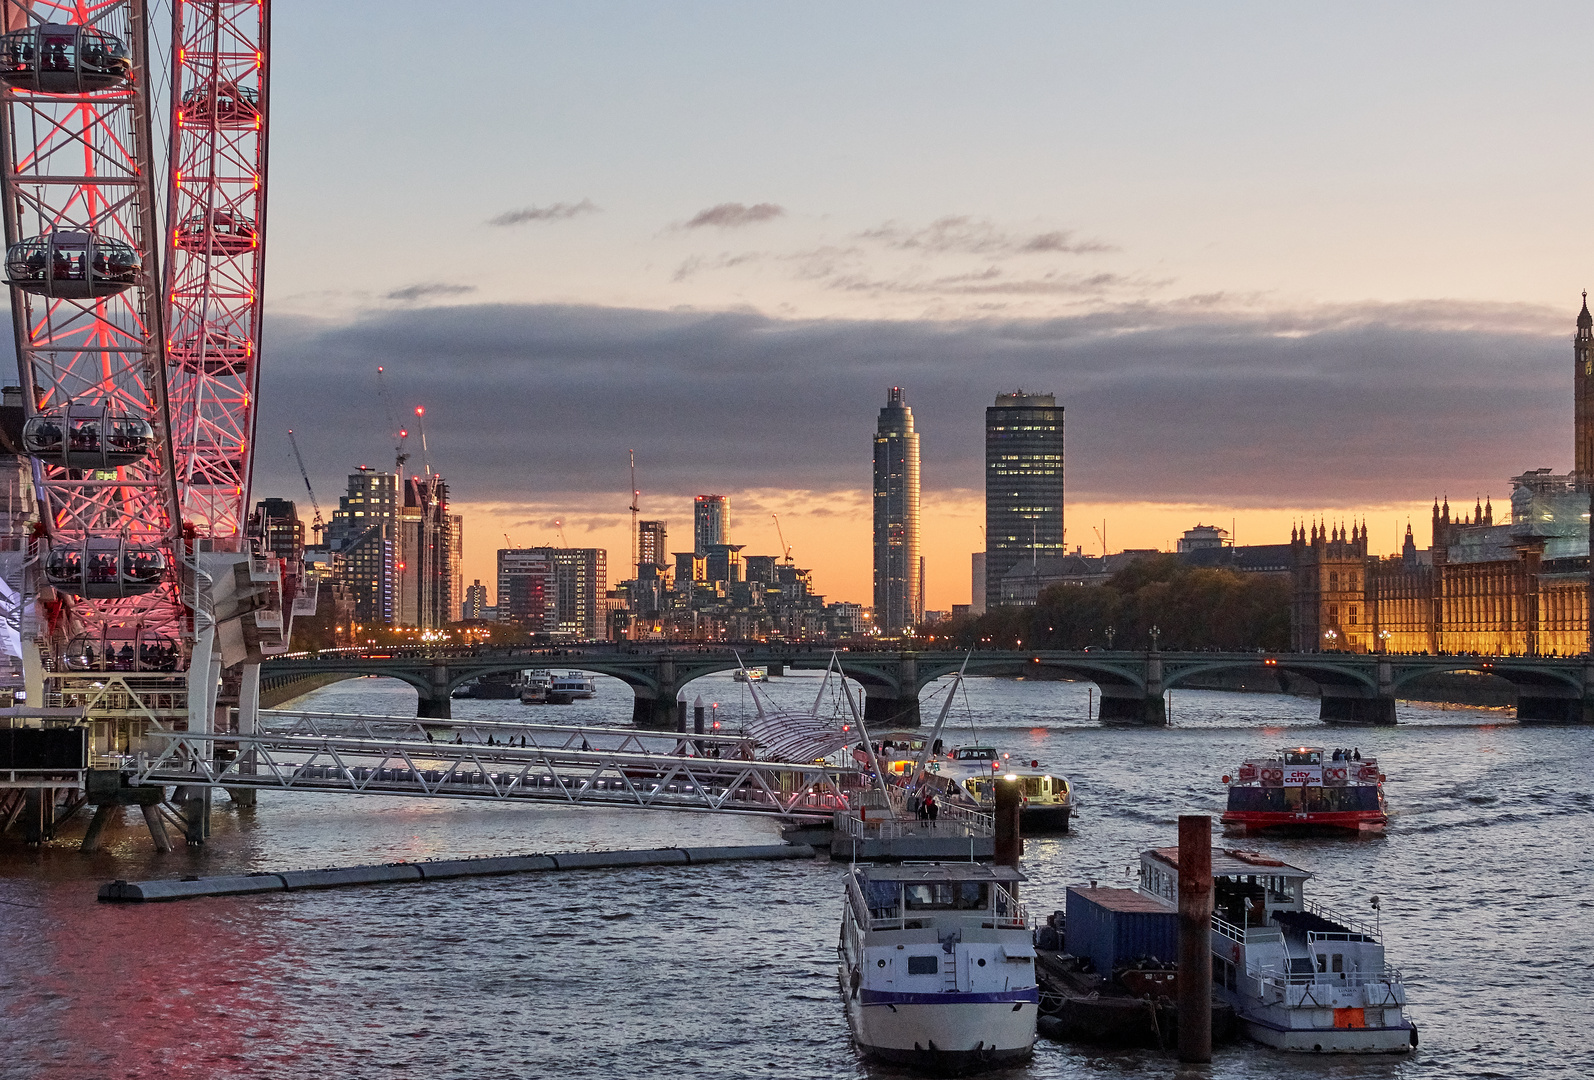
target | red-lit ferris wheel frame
[
  {"x": 83, "y": 161},
  {"x": 215, "y": 252}
]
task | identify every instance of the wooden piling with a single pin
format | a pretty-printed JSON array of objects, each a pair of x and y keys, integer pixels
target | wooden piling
[
  {"x": 1195, "y": 938},
  {"x": 1009, "y": 837}
]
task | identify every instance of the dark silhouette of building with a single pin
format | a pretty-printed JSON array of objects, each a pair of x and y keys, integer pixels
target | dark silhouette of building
[{"x": 1023, "y": 485}]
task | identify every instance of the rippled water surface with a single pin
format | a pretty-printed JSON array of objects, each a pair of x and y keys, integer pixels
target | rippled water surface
[{"x": 1486, "y": 877}]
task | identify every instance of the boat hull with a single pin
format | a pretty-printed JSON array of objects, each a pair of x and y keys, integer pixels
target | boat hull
[
  {"x": 1333, "y": 821},
  {"x": 1381, "y": 1040},
  {"x": 966, "y": 1034},
  {"x": 1044, "y": 819}
]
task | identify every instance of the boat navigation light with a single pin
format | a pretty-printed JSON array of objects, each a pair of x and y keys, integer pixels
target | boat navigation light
[
  {"x": 1010, "y": 776},
  {"x": 1225, "y": 778}
]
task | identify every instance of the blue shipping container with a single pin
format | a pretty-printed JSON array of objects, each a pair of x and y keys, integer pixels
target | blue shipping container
[{"x": 1113, "y": 926}]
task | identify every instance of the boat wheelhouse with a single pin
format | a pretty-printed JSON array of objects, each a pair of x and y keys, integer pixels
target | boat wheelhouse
[
  {"x": 1300, "y": 976},
  {"x": 1307, "y": 787},
  {"x": 1048, "y": 797},
  {"x": 937, "y": 965}
]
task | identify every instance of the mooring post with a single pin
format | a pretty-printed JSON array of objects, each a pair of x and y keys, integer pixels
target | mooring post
[
  {"x": 157, "y": 827},
  {"x": 1009, "y": 844},
  {"x": 680, "y": 712},
  {"x": 1195, "y": 938}
]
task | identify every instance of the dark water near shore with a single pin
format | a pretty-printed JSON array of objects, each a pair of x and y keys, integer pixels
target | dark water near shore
[{"x": 1486, "y": 877}]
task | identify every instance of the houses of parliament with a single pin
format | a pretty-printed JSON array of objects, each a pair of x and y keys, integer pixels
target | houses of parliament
[{"x": 1516, "y": 588}]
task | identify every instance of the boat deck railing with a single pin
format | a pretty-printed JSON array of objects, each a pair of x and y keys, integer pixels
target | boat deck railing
[
  {"x": 1005, "y": 913},
  {"x": 1248, "y": 935},
  {"x": 1270, "y": 976},
  {"x": 1355, "y": 929}
]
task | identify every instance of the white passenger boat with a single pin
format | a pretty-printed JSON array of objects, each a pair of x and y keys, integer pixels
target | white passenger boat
[
  {"x": 1048, "y": 797},
  {"x": 1300, "y": 976},
  {"x": 571, "y": 686},
  {"x": 749, "y": 675},
  {"x": 938, "y": 965}
]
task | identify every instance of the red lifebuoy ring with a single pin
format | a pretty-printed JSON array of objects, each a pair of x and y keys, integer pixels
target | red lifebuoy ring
[{"x": 1234, "y": 951}]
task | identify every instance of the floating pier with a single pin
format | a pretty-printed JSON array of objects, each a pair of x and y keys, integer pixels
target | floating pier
[{"x": 140, "y": 892}]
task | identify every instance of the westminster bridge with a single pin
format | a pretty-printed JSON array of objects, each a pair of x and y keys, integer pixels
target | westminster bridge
[{"x": 1354, "y": 688}]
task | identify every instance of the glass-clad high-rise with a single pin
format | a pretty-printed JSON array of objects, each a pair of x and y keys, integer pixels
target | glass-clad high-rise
[
  {"x": 898, "y": 601},
  {"x": 1023, "y": 485}
]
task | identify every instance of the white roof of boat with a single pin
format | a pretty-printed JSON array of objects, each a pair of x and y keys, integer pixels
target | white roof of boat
[
  {"x": 1235, "y": 862},
  {"x": 963, "y": 871}
]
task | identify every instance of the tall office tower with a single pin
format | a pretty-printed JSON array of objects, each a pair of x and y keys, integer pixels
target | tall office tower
[
  {"x": 363, "y": 539},
  {"x": 526, "y": 590},
  {"x": 474, "y": 609},
  {"x": 1023, "y": 485},
  {"x": 977, "y": 590},
  {"x": 711, "y": 522},
  {"x": 651, "y": 544},
  {"x": 426, "y": 537},
  {"x": 276, "y": 523},
  {"x": 555, "y": 591},
  {"x": 896, "y": 518}
]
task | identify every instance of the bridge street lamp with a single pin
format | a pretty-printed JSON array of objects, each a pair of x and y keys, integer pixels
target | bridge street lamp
[
  {"x": 1331, "y": 636},
  {"x": 1383, "y": 640},
  {"x": 1110, "y": 633}
]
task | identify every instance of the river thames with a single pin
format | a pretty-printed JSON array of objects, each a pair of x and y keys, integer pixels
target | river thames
[{"x": 1485, "y": 877}]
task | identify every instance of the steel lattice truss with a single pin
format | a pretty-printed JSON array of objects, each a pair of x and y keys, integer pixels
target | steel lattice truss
[
  {"x": 215, "y": 233},
  {"x": 81, "y": 162},
  {"x": 417, "y": 767}
]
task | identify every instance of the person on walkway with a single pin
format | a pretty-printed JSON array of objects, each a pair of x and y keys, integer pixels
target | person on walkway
[{"x": 931, "y": 807}]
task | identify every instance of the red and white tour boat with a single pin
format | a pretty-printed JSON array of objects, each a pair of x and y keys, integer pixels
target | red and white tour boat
[{"x": 1307, "y": 787}]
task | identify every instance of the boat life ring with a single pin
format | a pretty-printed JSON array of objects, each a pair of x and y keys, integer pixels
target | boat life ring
[{"x": 1234, "y": 951}]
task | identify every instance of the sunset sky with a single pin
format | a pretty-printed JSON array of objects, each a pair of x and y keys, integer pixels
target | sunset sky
[{"x": 1274, "y": 260}]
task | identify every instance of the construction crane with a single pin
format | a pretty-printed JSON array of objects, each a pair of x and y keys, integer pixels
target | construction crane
[
  {"x": 784, "y": 547},
  {"x": 636, "y": 508},
  {"x": 420, "y": 420},
  {"x": 559, "y": 525},
  {"x": 319, "y": 525},
  {"x": 401, "y": 434}
]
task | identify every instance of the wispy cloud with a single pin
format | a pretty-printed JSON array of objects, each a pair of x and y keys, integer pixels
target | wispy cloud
[
  {"x": 426, "y": 289},
  {"x": 966, "y": 235},
  {"x": 733, "y": 215},
  {"x": 553, "y": 212}
]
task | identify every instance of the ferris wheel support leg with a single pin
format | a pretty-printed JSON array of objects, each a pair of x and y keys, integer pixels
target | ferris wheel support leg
[
  {"x": 204, "y": 681},
  {"x": 248, "y": 724},
  {"x": 32, "y": 672}
]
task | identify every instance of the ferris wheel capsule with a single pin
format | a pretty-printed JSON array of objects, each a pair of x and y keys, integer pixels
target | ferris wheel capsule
[
  {"x": 70, "y": 264},
  {"x": 87, "y": 437},
  {"x": 216, "y": 231},
  {"x": 230, "y": 106},
  {"x": 63, "y": 58},
  {"x": 212, "y": 354},
  {"x": 105, "y": 568}
]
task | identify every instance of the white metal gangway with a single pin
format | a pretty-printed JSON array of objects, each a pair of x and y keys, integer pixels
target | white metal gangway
[{"x": 569, "y": 765}]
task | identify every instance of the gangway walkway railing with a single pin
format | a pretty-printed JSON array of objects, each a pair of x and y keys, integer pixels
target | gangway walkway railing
[
  {"x": 563, "y": 774},
  {"x": 470, "y": 732}
]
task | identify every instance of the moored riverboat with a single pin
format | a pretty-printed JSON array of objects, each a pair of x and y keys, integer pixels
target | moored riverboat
[
  {"x": 1300, "y": 976},
  {"x": 569, "y": 687},
  {"x": 937, "y": 966},
  {"x": 1307, "y": 788}
]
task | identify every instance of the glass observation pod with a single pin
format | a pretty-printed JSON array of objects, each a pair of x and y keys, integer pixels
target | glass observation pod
[
  {"x": 71, "y": 265},
  {"x": 121, "y": 650},
  {"x": 104, "y": 568},
  {"x": 231, "y": 106},
  {"x": 87, "y": 437},
  {"x": 212, "y": 354},
  {"x": 59, "y": 58},
  {"x": 215, "y": 231}
]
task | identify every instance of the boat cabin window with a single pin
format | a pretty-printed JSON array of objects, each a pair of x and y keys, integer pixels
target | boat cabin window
[
  {"x": 1303, "y": 757},
  {"x": 948, "y": 896},
  {"x": 883, "y": 898},
  {"x": 1035, "y": 786},
  {"x": 977, "y": 753},
  {"x": 924, "y": 965}
]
